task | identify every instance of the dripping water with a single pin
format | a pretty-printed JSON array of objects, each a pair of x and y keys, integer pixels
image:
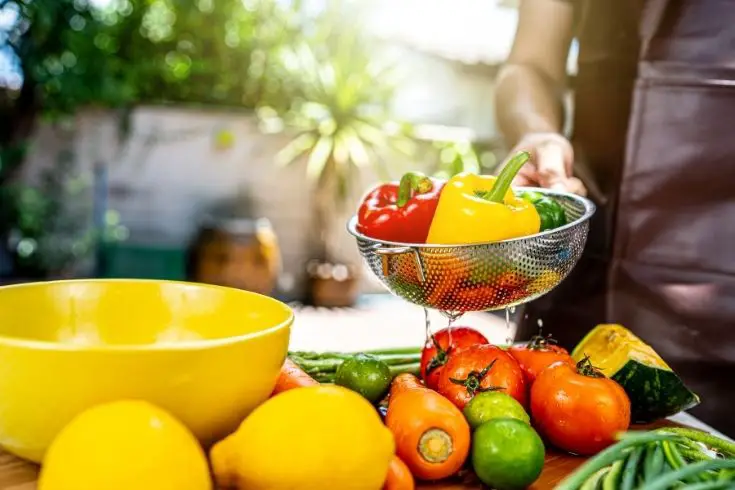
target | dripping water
[
  {"x": 427, "y": 320},
  {"x": 508, "y": 337}
]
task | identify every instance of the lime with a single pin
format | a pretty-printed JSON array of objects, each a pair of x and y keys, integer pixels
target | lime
[
  {"x": 365, "y": 374},
  {"x": 507, "y": 454},
  {"x": 493, "y": 405}
]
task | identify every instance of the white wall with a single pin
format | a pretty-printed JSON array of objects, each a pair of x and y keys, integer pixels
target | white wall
[{"x": 169, "y": 168}]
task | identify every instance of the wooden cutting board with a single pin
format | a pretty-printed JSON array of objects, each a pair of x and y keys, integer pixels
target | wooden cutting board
[{"x": 16, "y": 474}]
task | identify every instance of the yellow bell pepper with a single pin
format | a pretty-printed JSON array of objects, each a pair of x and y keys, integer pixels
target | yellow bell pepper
[{"x": 482, "y": 208}]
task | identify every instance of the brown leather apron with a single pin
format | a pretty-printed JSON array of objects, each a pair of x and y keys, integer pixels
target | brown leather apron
[{"x": 653, "y": 125}]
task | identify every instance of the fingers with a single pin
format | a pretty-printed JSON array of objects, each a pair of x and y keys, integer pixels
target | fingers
[
  {"x": 526, "y": 177},
  {"x": 523, "y": 181},
  {"x": 576, "y": 186},
  {"x": 552, "y": 164}
]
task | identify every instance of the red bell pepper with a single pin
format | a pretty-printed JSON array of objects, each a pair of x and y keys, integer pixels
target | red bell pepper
[{"x": 400, "y": 212}]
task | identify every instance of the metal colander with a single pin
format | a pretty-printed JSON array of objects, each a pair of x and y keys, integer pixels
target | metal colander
[{"x": 479, "y": 277}]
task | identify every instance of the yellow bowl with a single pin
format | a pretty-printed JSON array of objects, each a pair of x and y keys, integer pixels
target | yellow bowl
[{"x": 207, "y": 354}]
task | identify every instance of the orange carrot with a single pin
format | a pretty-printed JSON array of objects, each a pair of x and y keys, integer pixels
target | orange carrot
[
  {"x": 405, "y": 382},
  {"x": 432, "y": 436},
  {"x": 399, "y": 476},
  {"x": 292, "y": 376}
]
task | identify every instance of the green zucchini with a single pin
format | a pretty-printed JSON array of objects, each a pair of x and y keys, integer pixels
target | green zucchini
[{"x": 654, "y": 389}]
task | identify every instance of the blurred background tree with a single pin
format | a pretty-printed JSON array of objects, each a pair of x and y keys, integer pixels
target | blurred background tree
[{"x": 71, "y": 54}]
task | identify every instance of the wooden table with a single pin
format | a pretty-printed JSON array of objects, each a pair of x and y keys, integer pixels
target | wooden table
[
  {"x": 16, "y": 474},
  {"x": 380, "y": 322}
]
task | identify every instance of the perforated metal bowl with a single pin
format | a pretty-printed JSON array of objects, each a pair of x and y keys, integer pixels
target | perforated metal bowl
[{"x": 485, "y": 276}]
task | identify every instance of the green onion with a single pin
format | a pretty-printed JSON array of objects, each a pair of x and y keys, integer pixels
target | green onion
[
  {"x": 613, "y": 476},
  {"x": 654, "y": 464},
  {"x": 608, "y": 456},
  {"x": 664, "y": 481},
  {"x": 708, "y": 485},
  {"x": 594, "y": 481},
  {"x": 692, "y": 452},
  {"x": 726, "y": 448},
  {"x": 631, "y": 468}
]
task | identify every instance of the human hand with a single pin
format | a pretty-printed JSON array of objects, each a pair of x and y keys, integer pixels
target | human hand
[{"x": 552, "y": 158}]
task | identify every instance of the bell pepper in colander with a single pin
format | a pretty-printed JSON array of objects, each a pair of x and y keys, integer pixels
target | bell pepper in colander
[
  {"x": 400, "y": 212},
  {"x": 482, "y": 208},
  {"x": 551, "y": 212}
]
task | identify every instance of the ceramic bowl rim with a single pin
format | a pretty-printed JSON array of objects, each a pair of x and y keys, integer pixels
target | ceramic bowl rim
[{"x": 187, "y": 345}]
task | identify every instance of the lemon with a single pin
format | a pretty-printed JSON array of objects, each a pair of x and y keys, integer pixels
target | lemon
[
  {"x": 314, "y": 438},
  {"x": 122, "y": 446}
]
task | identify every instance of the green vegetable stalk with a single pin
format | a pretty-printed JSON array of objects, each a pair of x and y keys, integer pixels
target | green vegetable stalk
[
  {"x": 683, "y": 458},
  {"x": 608, "y": 456},
  {"x": 323, "y": 366},
  {"x": 665, "y": 481},
  {"x": 723, "y": 447}
]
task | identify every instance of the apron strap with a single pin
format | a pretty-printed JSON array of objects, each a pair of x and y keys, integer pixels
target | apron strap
[{"x": 651, "y": 20}]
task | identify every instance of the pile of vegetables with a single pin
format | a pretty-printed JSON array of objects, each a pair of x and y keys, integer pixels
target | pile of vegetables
[
  {"x": 462, "y": 402},
  {"x": 468, "y": 208}
]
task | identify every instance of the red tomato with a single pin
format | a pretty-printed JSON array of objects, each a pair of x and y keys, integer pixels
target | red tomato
[
  {"x": 577, "y": 408},
  {"x": 537, "y": 355},
  {"x": 481, "y": 368},
  {"x": 440, "y": 346}
]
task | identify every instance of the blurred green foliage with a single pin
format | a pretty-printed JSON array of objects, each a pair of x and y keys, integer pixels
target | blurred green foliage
[
  {"x": 71, "y": 54},
  {"x": 463, "y": 155},
  {"x": 132, "y": 51}
]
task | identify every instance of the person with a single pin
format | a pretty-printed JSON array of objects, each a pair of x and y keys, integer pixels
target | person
[{"x": 652, "y": 145}]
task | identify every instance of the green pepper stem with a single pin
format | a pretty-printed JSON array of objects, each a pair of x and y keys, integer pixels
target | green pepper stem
[
  {"x": 506, "y": 176},
  {"x": 412, "y": 183}
]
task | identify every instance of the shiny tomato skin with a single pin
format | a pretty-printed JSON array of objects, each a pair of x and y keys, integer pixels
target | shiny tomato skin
[
  {"x": 578, "y": 413},
  {"x": 505, "y": 374},
  {"x": 449, "y": 339},
  {"x": 533, "y": 361}
]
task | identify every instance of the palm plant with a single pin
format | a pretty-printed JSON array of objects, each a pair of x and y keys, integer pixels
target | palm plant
[{"x": 341, "y": 120}]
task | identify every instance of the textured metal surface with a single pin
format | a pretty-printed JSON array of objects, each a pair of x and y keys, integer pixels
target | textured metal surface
[{"x": 479, "y": 277}]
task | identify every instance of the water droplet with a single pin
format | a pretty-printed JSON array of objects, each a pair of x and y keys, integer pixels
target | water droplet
[{"x": 509, "y": 338}]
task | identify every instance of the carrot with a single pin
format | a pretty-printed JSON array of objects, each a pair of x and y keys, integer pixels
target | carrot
[
  {"x": 405, "y": 382},
  {"x": 432, "y": 436},
  {"x": 399, "y": 476},
  {"x": 292, "y": 376}
]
